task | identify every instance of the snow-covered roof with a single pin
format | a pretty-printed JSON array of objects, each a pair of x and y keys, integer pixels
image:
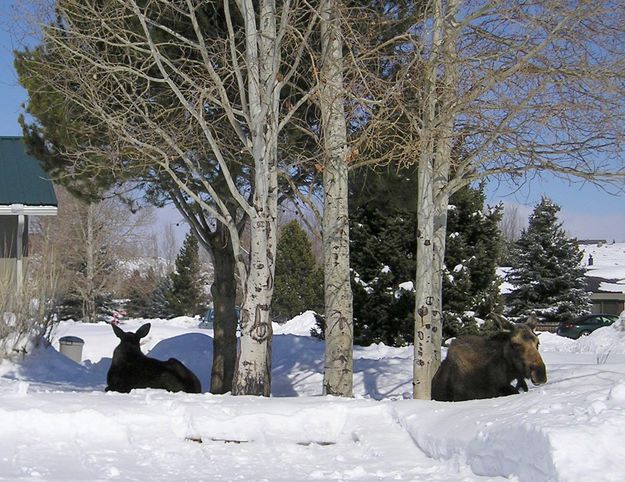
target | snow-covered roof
[{"x": 608, "y": 266}]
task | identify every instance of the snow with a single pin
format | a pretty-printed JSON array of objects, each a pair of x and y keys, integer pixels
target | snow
[
  {"x": 58, "y": 423},
  {"x": 608, "y": 263},
  {"x": 504, "y": 287},
  {"x": 406, "y": 286}
]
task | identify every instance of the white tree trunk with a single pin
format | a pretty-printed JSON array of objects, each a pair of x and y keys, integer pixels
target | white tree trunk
[
  {"x": 424, "y": 364},
  {"x": 253, "y": 371},
  {"x": 89, "y": 301},
  {"x": 338, "y": 364},
  {"x": 433, "y": 196}
]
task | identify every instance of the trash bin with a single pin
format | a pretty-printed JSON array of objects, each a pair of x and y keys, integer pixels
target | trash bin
[{"x": 71, "y": 347}]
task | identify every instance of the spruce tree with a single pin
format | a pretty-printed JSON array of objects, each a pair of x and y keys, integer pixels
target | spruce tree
[
  {"x": 473, "y": 251},
  {"x": 185, "y": 296},
  {"x": 140, "y": 288},
  {"x": 298, "y": 278},
  {"x": 147, "y": 294},
  {"x": 382, "y": 247},
  {"x": 159, "y": 300},
  {"x": 383, "y": 230},
  {"x": 382, "y": 273},
  {"x": 547, "y": 272}
]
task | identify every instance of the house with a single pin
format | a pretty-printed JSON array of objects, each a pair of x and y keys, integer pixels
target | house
[
  {"x": 607, "y": 295},
  {"x": 25, "y": 190}
]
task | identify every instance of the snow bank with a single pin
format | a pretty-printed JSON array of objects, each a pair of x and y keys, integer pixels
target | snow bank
[
  {"x": 58, "y": 424},
  {"x": 300, "y": 325}
]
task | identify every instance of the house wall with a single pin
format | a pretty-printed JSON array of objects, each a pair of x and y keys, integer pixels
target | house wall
[{"x": 608, "y": 307}]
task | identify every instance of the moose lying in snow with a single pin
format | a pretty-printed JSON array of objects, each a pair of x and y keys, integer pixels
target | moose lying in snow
[
  {"x": 130, "y": 368},
  {"x": 481, "y": 367}
]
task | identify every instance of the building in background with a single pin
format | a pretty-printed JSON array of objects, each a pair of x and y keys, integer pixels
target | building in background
[{"x": 25, "y": 191}]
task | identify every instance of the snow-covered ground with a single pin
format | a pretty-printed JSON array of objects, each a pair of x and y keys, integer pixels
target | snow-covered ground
[
  {"x": 608, "y": 262},
  {"x": 57, "y": 423}
]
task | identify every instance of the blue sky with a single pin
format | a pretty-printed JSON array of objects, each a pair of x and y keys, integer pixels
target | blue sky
[
  {"x": 587, "y": 212},
  {"x": 12, "y": 95}
]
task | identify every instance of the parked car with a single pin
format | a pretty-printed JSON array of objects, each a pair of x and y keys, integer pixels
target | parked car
[
  {"x": 208, "y": 319},
  {"x": 584, "y": 325}
]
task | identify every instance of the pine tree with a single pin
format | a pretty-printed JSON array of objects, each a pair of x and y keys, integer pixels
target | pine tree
[
  {"x": 382, "y": 272},
  {"x": 382, "y": 232},
  {"x": 186, "y": 297},
  {"x": 140, "y": 288},
  {"x": 382, "y": 258},
  {"x": 547, "y": 272},
  {"x": 159, "y": 301},
  {"x": 298, "y": 279},
  {"x": 147, "y": 294},
  {"x": 473, "y": 250}
]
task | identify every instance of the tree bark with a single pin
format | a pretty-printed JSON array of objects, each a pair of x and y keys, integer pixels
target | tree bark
[
  {"x": 424, "y": 350},
  {"x": 253, "y": 372},
  {"x": 433, "y": 196},
  {"x": 89, "y": 311},
  {"x": 218, "y": 244},
  {"x": 338, "y": 365},
  {"x": 224, "y": 305}
]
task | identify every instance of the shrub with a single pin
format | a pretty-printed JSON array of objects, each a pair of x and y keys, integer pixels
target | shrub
[{"x": 26, "y": 315}]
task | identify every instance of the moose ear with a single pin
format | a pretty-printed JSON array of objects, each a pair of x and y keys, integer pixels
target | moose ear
[
  {"x": 532, "y": 321},
  {"x": 143, "y": 331},
  {"x": 119, "y": 333},
  {"x": 503, "y": 323}
]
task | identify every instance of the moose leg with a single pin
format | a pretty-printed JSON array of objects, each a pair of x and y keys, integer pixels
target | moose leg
[
  {"x": 521, "y": 384},
  {"x": 508, "y": 390}
]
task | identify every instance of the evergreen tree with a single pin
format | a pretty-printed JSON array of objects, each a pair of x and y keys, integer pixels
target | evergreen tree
[
  {"x": 185, "y": 296},
  {"x": 382, "y": 273},
  {"x": 473, "y": 251},
  {"x": 147, "y": 294},
  {"x": 140, "y": 288},
  {"x": 547, "y": 272},
  {"x": 298, "y": 279},
  {"x": 382, "y": 230},
  {"x": 159, "y": 301}
]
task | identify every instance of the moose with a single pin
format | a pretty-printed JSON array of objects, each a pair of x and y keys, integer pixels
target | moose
[
  {"x": 130, "y": 368},
  {"x": 484, "y": 367}
]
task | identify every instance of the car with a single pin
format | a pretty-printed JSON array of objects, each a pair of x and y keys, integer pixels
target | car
[
  {"x": 208, "y": 319},
  {"x": 585, "y": 325}
]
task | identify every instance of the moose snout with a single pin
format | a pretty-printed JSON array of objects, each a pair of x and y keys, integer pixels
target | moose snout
[{"x": 538, "y": 373}]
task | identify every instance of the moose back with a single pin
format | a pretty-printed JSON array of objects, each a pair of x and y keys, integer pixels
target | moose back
[{"x": 481, "y": 367}]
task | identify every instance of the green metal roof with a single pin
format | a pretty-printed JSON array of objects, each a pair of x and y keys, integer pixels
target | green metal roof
[{"x": 22, "y": 180}]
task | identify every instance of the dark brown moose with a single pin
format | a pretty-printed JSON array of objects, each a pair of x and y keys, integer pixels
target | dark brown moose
[
  {"x": 130, "y": 368},
  {"x": 484, "y": 367}
]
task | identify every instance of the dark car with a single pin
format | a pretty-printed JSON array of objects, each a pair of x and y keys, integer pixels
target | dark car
[
  {"x": 584, "y": 325},
  {"x": 208, "y": 319}
]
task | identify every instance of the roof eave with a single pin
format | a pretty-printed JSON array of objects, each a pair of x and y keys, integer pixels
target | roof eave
[{"x": 16, "y": 209}]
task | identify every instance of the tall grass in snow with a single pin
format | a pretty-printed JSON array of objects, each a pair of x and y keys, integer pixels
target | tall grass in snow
[{"x": 26, "y": 315}]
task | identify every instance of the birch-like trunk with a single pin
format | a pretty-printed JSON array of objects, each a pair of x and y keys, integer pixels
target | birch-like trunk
[
  {"x": 89, "y": 301},
  {"x": 433, "y": 196},
  {"x": 424, "y": 348},
  {"x": 253, "y": 373},
  {"x": 441, "y": 201},
  {"x": 338, "y": 364}
]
